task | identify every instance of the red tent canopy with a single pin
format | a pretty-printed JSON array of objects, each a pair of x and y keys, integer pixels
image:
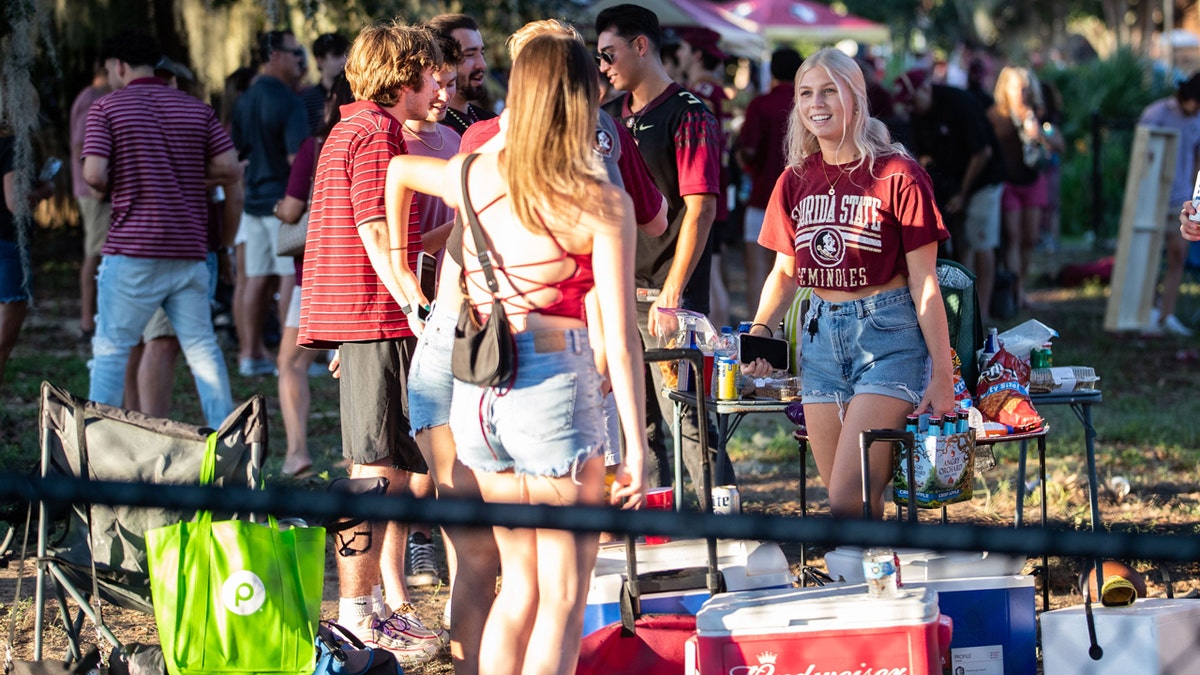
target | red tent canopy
[{"x": 791, "y": 20}]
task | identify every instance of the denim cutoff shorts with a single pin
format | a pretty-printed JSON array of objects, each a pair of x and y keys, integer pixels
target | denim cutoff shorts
[
  {"x": 868, "y": 346},
  {"x": 548, "y": 423},
  {"x": 430, "y": 383},
  {"x": 11, "y": 275}
]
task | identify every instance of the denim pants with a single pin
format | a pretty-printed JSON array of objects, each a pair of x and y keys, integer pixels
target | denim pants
[{"x": 129, "y": 290}]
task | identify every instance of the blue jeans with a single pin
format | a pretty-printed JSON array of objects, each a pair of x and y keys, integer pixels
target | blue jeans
[
  {"x": 430, "y": 382},
  {"x": 129, "y": 290},
  {"x": 548, "y": 423},
  {"x": 869, "y": 346}
]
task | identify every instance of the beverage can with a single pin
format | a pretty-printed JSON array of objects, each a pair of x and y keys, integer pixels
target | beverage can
[
  {"x": 1041, "y": 357},
  {"x": 881, "y": 567},
  {"x": 726, "y": 499},
  {"x": 727, "y": 372},
  {"x": 1196, "y": 199}
]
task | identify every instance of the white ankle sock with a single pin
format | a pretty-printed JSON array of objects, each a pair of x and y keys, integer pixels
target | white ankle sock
[
  {"x": 351, "y": 611},
  {"x": 377, "y": 602}
]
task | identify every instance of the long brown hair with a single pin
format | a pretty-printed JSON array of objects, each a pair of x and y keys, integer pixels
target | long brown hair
[{"x": 554, "y": 85}]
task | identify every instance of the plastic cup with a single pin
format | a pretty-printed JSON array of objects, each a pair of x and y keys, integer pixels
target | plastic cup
[{"x": 659, "y": 499}]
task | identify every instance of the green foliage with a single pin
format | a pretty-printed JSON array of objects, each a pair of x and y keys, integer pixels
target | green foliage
[{"x": 1117, "y": 89}]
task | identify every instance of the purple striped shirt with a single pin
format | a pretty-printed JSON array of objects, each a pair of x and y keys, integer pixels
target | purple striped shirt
[{"x": 158, "y": 141}]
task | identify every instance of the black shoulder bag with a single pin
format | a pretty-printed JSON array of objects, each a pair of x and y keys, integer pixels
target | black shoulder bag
[{"x": 484, "y": 352}]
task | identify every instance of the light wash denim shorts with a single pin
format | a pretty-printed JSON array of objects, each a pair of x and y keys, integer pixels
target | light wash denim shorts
[
  {"x": 548, "y": 423},
  {"x": 430, "y": 383},
  {"x": 11, "y": 274},
  {"x": 868, "y": 346}
]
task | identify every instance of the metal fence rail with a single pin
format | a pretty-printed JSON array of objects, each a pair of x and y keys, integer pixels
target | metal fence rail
[{"x": 320, "y": 506}]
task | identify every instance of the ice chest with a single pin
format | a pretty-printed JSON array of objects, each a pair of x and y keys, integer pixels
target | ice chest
[
  {"x": 834, "y": 629},
  {"x": 845, "y": 562},
  {"x": 745, "y": 564},
  {"x": 995, "y": 623},
  {"x": 1153, "y": 636}
]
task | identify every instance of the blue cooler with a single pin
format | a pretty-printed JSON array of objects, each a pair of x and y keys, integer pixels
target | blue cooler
[
  {"x": 995, "y": 623},
  {"x": 746, "y": 565}
]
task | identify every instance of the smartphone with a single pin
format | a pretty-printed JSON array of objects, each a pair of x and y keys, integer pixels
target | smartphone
[
  {"x": 427, "y": 277},
  {"x": 774, "y": 350},
  {"x": 50, "y": 169}
]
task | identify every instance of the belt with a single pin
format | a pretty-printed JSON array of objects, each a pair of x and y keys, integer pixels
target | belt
[{"x": 648, "y": 294}]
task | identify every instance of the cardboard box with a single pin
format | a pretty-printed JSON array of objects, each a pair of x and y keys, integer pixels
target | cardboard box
[
  {"x": 1153, "y": 636},
  {"x": 833, "y": 629},
  {"x": 745, "y": 564}
]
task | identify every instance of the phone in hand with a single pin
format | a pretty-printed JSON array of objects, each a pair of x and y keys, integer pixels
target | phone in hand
[
  {"x": 49, "y": 170},
  {"x": 427, "y": 278},
  {"x": 774, "y": 351}
]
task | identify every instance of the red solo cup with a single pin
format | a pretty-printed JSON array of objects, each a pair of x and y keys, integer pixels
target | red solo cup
[{"x": 661, "y": 499}]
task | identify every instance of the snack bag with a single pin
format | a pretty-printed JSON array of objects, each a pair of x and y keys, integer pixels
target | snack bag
[
  {"x": 961, "y": 393},
  {"x": 1004, "y": 393}
]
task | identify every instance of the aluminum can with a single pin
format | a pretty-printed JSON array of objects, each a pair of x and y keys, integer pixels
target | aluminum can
[
  {"x": 727, "y": 372},
  {"x": 1041, "y": 357},
  {"x": 726, "y": 499}
]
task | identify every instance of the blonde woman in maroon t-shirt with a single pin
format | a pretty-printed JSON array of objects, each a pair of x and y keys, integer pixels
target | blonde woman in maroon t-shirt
[{"x": 853, "y": 217}]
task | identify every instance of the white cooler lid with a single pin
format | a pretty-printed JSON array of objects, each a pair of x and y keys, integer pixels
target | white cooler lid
[
  {"x": 812, "y": 609},
  {"x": 927, "y": 565}
]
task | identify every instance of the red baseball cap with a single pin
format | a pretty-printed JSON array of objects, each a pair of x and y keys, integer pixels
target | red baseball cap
[
  {"x": 907, "y": 84},
  {"x": 701, "y": 39}
]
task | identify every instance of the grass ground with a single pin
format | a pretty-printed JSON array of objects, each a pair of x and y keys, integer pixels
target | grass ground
[{"x": 1146, "y": 429}]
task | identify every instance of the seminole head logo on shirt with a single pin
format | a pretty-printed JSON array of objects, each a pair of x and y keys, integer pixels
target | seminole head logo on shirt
[{"x": 827, "y": 247}]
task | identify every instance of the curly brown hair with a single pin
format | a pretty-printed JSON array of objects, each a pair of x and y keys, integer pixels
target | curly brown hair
[{"x": 387, "y": 57}]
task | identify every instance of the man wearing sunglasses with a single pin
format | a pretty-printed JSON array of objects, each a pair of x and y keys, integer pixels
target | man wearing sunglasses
[
  {"x": 269, "y": 124},
  {"x": 678, "y": 138}
]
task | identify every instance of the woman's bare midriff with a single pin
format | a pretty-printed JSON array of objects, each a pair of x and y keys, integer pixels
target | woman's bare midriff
[{"x": 836, "y": 296}]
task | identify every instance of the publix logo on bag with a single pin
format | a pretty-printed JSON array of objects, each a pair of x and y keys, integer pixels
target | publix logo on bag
[{"x": 243, "y": 593}]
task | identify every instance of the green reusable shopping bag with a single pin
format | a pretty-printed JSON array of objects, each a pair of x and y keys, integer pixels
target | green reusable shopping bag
[{"x": 235, "y": 596}]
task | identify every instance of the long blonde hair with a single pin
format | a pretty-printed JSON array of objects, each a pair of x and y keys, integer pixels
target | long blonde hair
[
  {"x": 1029, "y": 83},
  {"x": 868, "y": 135},
  {"x": 554, "y": 86}
]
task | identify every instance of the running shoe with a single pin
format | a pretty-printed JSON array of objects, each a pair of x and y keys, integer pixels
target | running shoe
[
  {"x": 404, "y": 621},
  {"x": 376, "y": 632},
  {"x": 422, "y": 562}
]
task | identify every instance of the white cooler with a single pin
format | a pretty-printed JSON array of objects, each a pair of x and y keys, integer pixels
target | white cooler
[
  {"x": 924, "y": 565},
  {"x": 745, "y": 564},
  {"x": 834, "y": 629},
  {"x": 1153, "y": 636}
]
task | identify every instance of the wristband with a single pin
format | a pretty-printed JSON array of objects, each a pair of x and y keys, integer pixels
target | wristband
[{"x": 763, "y": 325}]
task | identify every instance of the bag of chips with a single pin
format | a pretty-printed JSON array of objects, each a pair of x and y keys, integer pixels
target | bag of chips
[{"x": 1004, "y": 393}]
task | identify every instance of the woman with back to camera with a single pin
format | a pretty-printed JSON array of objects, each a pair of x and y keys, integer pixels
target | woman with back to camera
[
  {"x": 556, "y": 229},
  {"x": 853, "y": 217}
]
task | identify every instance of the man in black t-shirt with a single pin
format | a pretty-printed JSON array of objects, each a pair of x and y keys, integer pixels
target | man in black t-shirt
[
  {"x": 953, "y": 140},
  {"x": 680, "y": 142},
  {"x": 461, "y": 113}
]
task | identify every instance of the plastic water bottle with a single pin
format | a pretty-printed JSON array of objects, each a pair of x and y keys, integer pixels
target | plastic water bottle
[{"x": 990, "y": 346}]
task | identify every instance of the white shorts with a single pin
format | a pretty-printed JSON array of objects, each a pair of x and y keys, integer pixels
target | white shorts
[
  {"x": 260, "y": 235},
  {"x": 753, "y": 224},
  {"x": 981, "y": 226},
  {"x": 293, "y": 313}
]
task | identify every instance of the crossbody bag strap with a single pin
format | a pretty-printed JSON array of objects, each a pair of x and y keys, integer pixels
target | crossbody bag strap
[{"x": 482, "y": 251}]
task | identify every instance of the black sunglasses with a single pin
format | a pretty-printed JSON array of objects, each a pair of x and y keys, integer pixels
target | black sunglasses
[{"x": 609, "y": 57}]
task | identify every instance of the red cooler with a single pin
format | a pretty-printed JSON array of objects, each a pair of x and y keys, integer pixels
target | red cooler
[{"x": 819, "y": 630}]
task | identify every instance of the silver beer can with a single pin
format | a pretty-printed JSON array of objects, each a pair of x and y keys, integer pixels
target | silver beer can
[{"x": 726, "y": 499}]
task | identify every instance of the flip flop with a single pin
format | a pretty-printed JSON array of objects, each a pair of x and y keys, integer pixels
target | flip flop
[{"x": 303, "y": 472}]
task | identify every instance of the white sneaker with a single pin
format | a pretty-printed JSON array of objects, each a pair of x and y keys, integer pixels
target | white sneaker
[
  {"x": 376, "y": 632},
  {"x": 1153, "y": 327},
  {"x": 1174, "y": 326},
  {"x": 404, "y": 621}
]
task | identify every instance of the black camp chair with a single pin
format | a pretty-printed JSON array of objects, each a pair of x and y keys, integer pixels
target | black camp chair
[{"x": 89, "y": 440}]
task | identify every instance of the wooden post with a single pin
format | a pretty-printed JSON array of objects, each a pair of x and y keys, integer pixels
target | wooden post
[{"x": 1139, "y": 244}]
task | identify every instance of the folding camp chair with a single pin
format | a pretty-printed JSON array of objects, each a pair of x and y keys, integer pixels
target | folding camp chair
[
  {"x": 93, "y": 441},
  {"x": 962, "y": 315}
]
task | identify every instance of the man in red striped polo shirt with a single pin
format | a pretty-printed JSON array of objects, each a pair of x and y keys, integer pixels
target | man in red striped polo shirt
[
  {"x": 359, "y": 292},
  {"x": 151, "y": 148}
]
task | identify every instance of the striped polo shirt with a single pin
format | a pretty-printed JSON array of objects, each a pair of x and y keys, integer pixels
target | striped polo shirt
[
  {"x": 343, "y": 299},
  {"x": 158, "y": 141}
]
